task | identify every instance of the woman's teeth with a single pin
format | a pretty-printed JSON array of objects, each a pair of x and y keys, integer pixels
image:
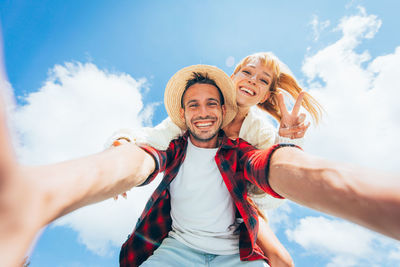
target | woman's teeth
[{"x": 248, "y": 91}]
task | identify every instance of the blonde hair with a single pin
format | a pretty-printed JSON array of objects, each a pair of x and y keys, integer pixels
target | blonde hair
[{"x": 284, "y": 80}]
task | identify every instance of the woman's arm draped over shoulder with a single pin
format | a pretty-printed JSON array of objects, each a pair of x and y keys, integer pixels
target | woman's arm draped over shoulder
[{"x": 158, "y": 137}]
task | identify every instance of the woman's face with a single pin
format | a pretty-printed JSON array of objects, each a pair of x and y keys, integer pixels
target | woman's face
[{"x": 252, "y": 83}]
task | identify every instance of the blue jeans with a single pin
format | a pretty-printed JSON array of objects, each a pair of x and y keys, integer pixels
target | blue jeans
[{"x": 173, "y": 253}]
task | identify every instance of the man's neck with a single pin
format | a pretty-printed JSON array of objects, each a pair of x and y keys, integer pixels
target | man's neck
[{"x": 212, "y": 143}]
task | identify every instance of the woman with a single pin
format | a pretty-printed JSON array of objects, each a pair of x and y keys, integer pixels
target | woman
[{"x": 257, "y": 79}]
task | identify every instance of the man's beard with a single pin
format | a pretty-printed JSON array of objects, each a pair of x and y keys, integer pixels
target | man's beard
[{"x": 199, "y": 138}]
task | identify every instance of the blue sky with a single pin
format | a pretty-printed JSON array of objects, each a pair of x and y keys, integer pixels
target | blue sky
[{"x": 344, "y": 52}]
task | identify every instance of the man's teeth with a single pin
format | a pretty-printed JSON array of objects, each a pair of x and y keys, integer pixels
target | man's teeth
[
  {"x": 203, "y": 124},
  {"x": 247, "y": 90}
]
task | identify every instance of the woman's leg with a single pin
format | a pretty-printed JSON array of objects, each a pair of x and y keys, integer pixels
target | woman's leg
[{"x": 271, "y": 246}]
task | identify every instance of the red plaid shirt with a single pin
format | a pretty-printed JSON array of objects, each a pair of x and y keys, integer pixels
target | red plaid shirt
[{"x": 239, "y": 164}]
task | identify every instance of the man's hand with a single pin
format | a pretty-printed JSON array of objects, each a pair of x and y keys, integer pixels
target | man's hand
[{"x": 292, "y": 124}]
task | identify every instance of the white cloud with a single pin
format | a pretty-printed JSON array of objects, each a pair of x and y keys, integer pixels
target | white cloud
[
  {"x": 77, "y": 108},
  {"x": 395, "y": 253},
  {"x": 359, "y": 94},
  {"x": 318, "y": 26},
  {"x": 342, "y": 261},
  {"x": 343, "y": 243},
  {"x": 359, "y": 26},
  {"x": 73, "y": 114},
  {"x": 279, "y": 217},
  {"x": 331, "y": 236}
]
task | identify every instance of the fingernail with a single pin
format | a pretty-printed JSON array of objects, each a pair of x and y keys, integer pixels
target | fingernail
[{"x": 116, "y": 143}]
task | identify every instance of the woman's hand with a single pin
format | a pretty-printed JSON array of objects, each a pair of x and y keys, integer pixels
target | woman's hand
[
  {"x": 119, "y": 142},
  {"x": 292, "y": 124}
]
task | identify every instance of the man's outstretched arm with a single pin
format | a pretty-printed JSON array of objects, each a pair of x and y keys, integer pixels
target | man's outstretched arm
[
  {"x": 34, "y": 196},
  {"x": 76, "y": 183},
  {"x": 363, "y": 196}
]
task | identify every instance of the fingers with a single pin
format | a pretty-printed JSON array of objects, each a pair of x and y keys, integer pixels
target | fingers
[
  {"x": 297, "y": 105},
  {"x": 119, "y": 142},
  {"x": 116, "y": 143},
  {"x": 301, "y": 118},
  {"x": 294, "y": 132},
  {"x": 300, "y": 134},
  {"x": 124, "y": 195},
  {"x": 296, "y": 128},
  {"x": 281, "y": 104}
]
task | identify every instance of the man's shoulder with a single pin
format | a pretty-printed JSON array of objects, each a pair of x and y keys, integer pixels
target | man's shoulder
[
  {"x": 243, "y": 145},
  {"x": 239, "y": 144},
  {"x": 243, "y": 142},
  {"x": 178, "y": 143},
  {"x": 174, "y": 146}
]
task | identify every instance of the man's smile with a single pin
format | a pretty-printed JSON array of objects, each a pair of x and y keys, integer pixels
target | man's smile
[{"x": 204, "y": 124}]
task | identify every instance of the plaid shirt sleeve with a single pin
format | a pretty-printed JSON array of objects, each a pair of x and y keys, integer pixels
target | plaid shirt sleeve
[
  {"x": 256, "y": 167},
  {"x": 160, "y": 159}
]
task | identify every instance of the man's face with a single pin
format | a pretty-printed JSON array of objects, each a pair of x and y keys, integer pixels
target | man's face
[{"x": 203, "y": 114}]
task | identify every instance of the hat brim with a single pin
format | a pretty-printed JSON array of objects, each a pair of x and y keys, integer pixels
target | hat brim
[{"x": 176, "y": 86}]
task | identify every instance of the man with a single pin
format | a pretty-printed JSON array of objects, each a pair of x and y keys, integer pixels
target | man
[
  {"x": 200, "y": 208},
  {"x": 31, "y": 197}
]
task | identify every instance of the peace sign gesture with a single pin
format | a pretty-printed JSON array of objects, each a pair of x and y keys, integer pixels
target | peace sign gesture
[{"x": 292, "y": 124}]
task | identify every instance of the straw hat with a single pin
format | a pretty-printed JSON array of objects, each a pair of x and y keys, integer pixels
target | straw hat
[{"x": 176, "y": 86}]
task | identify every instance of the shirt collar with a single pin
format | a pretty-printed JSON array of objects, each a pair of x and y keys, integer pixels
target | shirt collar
[{"x": 225, "y": 142}]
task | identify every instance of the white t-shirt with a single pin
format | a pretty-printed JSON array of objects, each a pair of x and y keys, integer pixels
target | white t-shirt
[{"x": 202, "y": 209}]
